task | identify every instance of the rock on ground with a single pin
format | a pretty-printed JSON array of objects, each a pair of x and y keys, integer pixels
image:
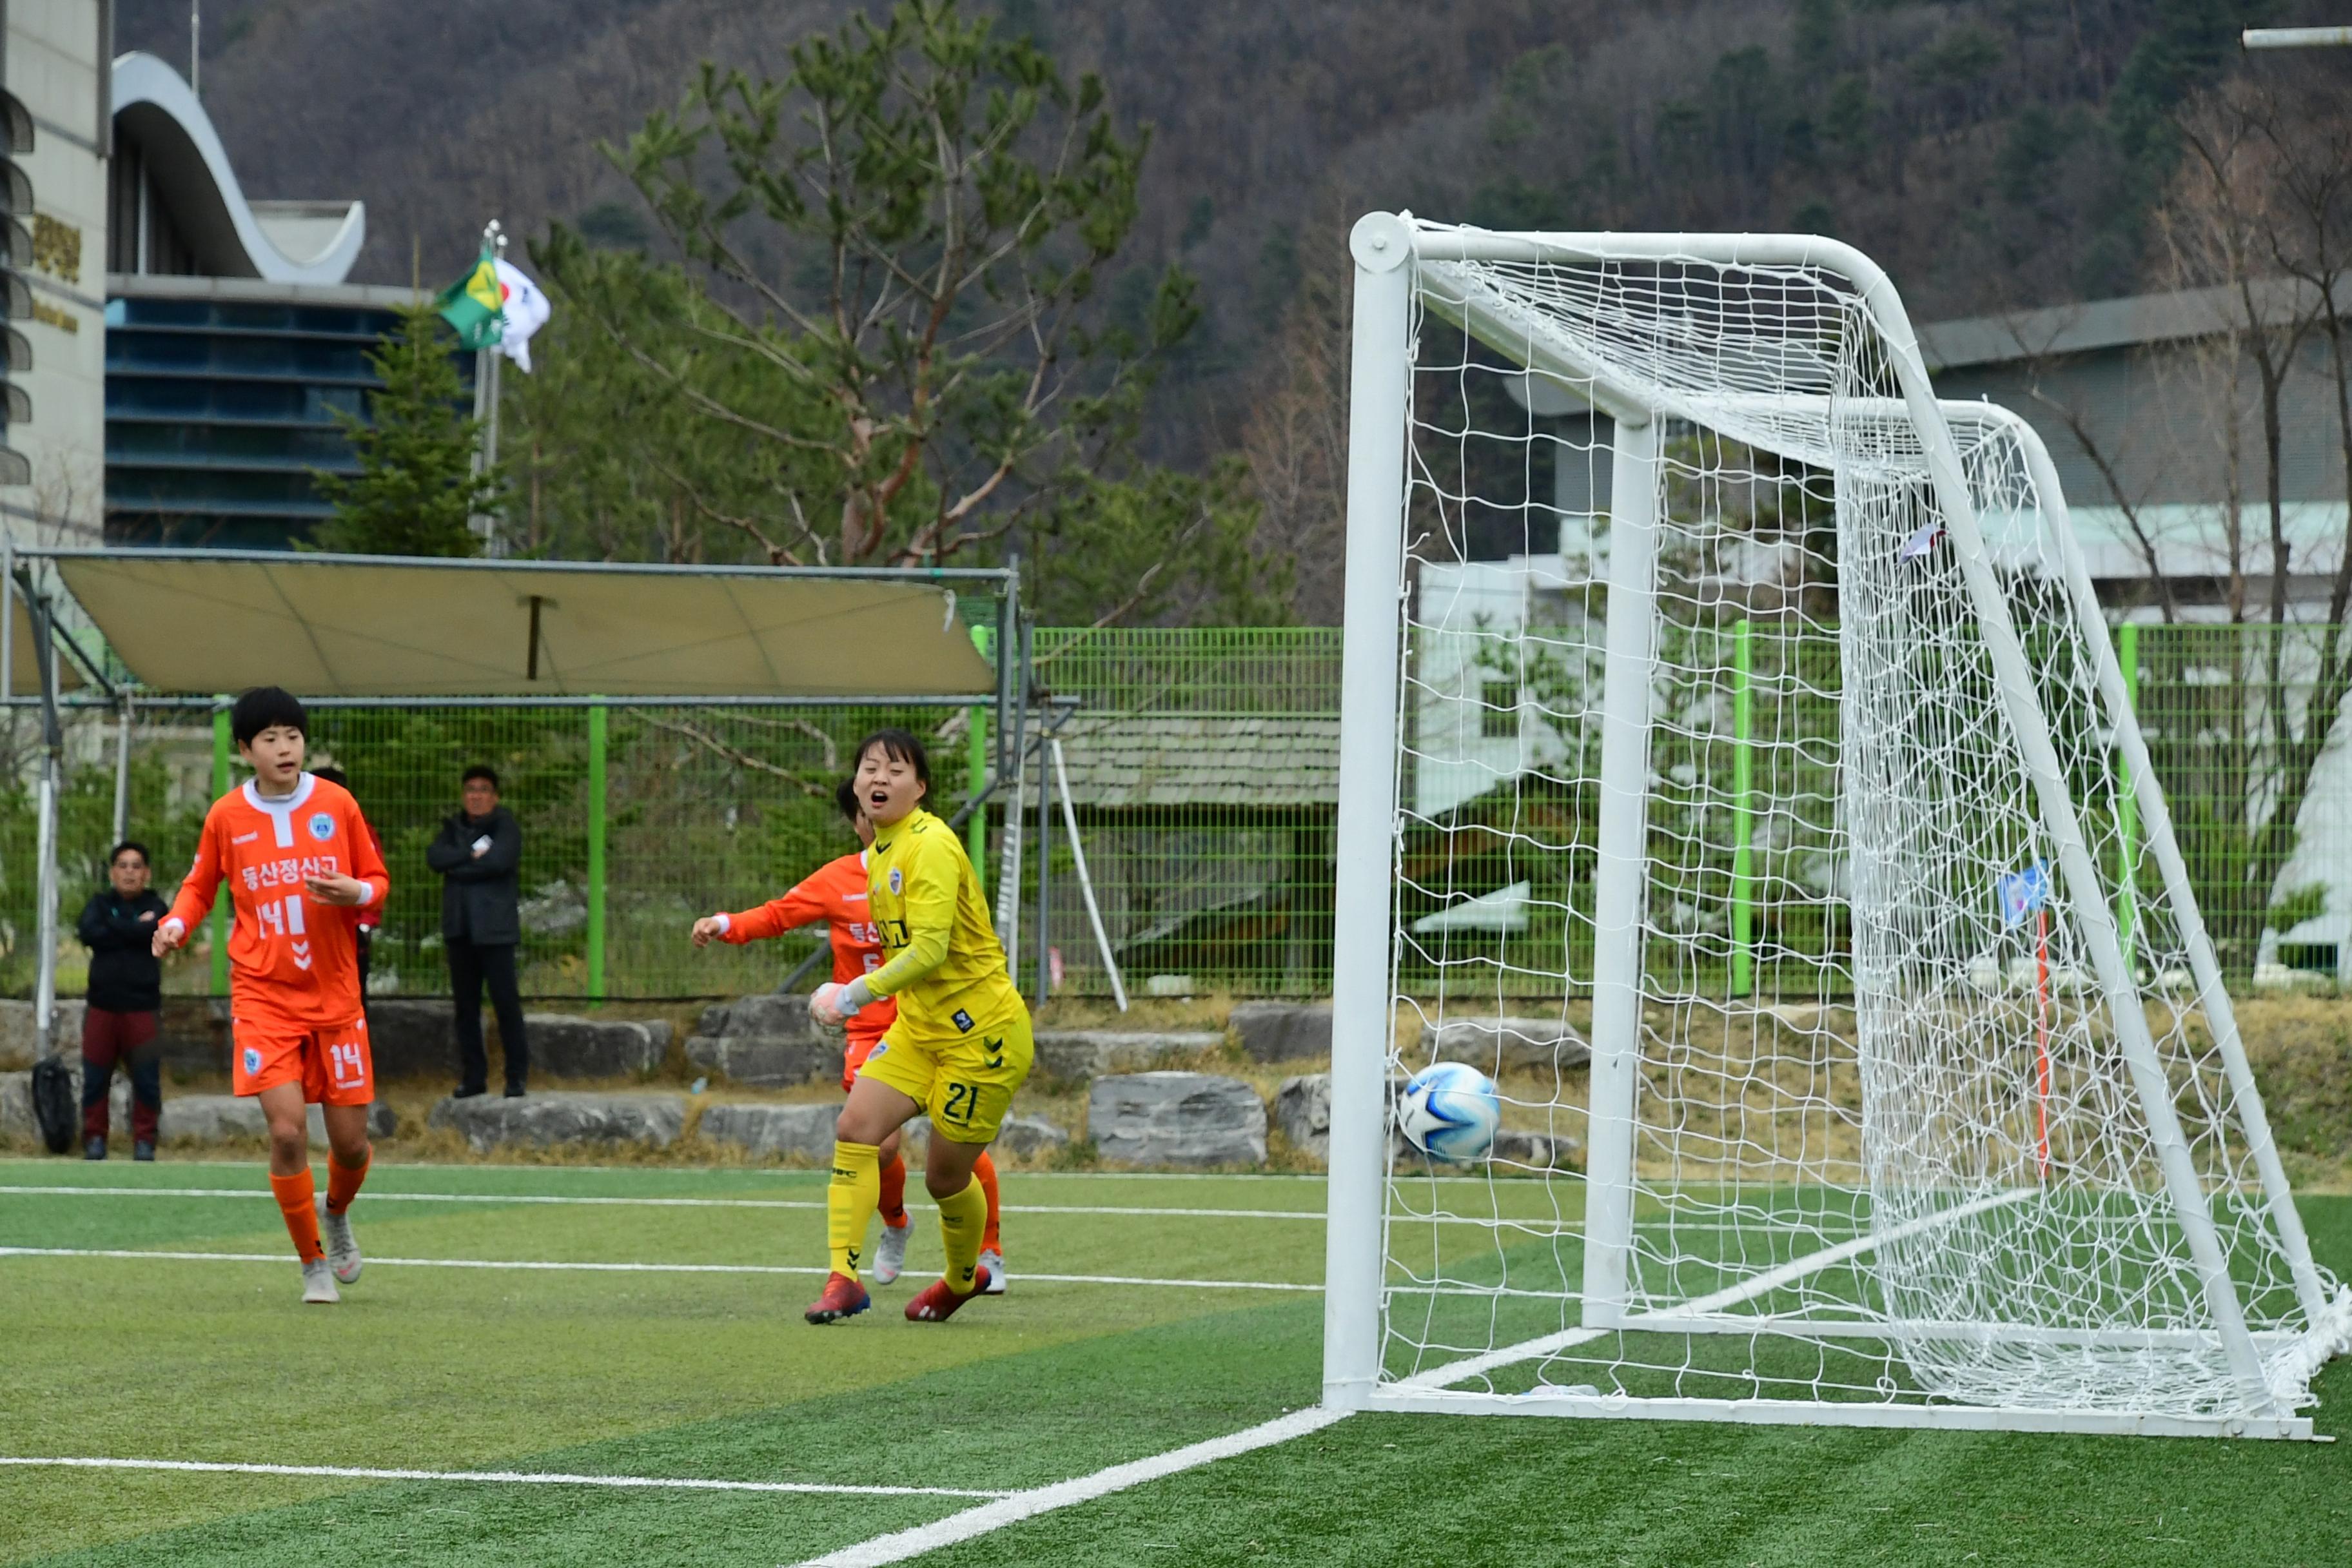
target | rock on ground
[
  {"x": 188, "y": 1117},
  {"x": 1283, "y": 1031},
  {"x": 19, "y": 1035},
  {"x": 1030, "y": 1135},
  {"x": 1538, "y": 1151},
  {"x": 543, "y": 1120},
  {"x": 1176, "y": 1119},
  {"x": 1074, "y": 1055},
  {"x": 1302, "y": 1109},
  {"x": 411, "y": 1039},
  {"x": 765, "y": 1041},
  {"x": 1506, "y": 1045},
  {"x": 765, "y": 1062},
  {"x": 214, "y": 1118},
  {"x": 805, "y": 1130}
]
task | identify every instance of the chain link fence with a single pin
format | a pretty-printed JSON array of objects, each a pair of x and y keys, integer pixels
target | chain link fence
[{"x": 1203, "y": 774}]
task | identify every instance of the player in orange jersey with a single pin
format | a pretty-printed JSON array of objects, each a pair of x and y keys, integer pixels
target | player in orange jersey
[
  {"x": 834, "y": 893},
  {"x": 284, "y": 842}
]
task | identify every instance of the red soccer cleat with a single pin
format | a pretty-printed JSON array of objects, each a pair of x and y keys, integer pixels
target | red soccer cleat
[
  {"x": 843, "y": 1298},
  {"x": 938, "y": 1303}
]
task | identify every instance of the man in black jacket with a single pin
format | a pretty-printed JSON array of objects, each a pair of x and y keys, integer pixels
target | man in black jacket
[
  {"x": 126, "y": 993},
  {"x": 477, "y": 854}
]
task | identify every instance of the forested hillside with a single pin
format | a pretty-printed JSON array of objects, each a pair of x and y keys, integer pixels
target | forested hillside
[{"x": 1992, "y": 152}]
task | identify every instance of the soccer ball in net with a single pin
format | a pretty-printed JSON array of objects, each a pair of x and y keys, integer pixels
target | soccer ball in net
[{"x": 1450, "y": 1112}]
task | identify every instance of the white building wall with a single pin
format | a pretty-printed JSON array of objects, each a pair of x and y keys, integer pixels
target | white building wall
[{"x": 53, "y": 69}]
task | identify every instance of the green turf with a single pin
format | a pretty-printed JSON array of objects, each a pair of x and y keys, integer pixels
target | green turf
[{"x": 713, "y": 1375}]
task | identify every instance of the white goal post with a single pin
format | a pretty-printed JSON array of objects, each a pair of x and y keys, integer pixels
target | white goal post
[{"x": 1771, "y": 823}]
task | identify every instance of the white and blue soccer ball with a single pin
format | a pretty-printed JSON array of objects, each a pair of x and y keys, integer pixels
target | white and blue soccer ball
[{"x": 1449, "y": 1111}]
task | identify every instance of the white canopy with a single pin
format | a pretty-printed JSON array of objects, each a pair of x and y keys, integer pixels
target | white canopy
[{"x": 365, "y": 626}]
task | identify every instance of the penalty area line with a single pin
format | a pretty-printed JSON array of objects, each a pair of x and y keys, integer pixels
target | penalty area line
[
  {"x": 900, "y": 1545},
  {"x": 497, "y": 1477}
]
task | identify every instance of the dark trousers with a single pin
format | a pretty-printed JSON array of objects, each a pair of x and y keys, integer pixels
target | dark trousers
[
  {"x": 470, "y": 968},
  {"x": 108, "y": 1037}
]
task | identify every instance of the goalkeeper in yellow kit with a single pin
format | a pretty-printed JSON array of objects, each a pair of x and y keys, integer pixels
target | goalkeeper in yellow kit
[{"x": 961, "y": 1045}]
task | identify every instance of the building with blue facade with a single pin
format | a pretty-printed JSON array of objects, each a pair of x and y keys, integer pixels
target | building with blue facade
[
  {"x": 232, "y": 340},
  {"x": 221, "y": 402}
]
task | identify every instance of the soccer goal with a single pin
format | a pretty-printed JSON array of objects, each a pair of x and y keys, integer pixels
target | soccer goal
[{"x": 1737, "y": 767}]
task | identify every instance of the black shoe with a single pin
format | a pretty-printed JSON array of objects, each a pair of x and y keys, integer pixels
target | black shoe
[
  {"x": 514, "y": 1092},
  {"x": 142, "y": 1150},
  {"x": 93, "y": 1149},
  {"x": 467, "y": 1091}
]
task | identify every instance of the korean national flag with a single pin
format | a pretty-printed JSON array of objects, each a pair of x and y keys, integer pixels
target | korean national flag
[{"x": 2022, "y": 892}]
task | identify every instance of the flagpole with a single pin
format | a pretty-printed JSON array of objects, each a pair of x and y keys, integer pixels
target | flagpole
[{"x": 486, "y": 400}]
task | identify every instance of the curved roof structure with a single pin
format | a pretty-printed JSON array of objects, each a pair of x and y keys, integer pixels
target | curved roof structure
[{"x": 279, "y": 242}]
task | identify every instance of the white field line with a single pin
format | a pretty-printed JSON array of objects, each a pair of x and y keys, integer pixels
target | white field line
[
  {"x": 593, "y": 1268},
  {"x": 600, "y": 1202},
  {"x": 900, "y": 1545},
  {"x": 1530, "y": 1225},
  {"x": 499, "y": 1478}
]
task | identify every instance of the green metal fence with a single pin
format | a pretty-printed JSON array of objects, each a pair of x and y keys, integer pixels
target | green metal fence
[{"x": 1202, "y": 771}]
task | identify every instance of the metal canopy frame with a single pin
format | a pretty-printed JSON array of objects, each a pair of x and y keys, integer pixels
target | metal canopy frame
[{"x": 1014, "y": 687}]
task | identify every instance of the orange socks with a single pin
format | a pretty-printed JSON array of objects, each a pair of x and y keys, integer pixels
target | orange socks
[
  {"x": 298, "y": 1199},
  {"x": 894, "y": 1193},
  {"x": 343, "y": 1185},
  {"x": 985, "y": 1173}
]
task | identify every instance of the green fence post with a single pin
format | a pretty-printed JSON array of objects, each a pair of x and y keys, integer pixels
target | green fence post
[
  {"x": 221, "y": 903},
  {"x": 1743, "y": 870},
  {"x": 596, "y": 739},
  {"x": 975, "y": 767},
  {"x": 2126, "y": 805}
]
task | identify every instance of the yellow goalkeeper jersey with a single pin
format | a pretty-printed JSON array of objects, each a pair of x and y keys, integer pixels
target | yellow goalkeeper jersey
[{"x": 941, "y": 958}]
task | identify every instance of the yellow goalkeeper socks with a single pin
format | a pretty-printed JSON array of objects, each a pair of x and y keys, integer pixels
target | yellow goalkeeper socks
[
  {"x": 963, "y": 1218},
  {"x": 850, "y": 1202}
]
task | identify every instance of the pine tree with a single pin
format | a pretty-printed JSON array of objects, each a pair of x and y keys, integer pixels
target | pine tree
[{"x": 415, "y": 491}]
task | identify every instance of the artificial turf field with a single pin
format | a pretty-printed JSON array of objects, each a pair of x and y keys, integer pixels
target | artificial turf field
[{"x": 674, "y": 1375}]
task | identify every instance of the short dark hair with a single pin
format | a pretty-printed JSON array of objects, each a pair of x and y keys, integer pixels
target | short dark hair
[
  {"x": 266, "y": 708},
  {"x": 116, "y": 853},
  {"x": 332, "y": 774},
  {"x": 900, "y": 746},
  {"x": 845, "y": 795},
  {"x": 482, "y": 771}
]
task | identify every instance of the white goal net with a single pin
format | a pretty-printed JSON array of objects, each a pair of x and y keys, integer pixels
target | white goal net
[{"x": 1738, "y": 772}]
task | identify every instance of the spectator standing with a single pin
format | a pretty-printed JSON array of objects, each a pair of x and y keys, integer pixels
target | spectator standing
[
  {"x": 477, "y": 853},
  {"x": 126, "y": 994}
]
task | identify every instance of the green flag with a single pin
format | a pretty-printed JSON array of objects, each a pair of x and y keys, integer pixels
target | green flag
[{"x": 472, "y": 305}]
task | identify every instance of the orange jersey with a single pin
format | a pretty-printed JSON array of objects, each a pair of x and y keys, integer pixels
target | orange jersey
[
  {"x": 290, "y": 957},
  {"x": 834, "y": 893}
]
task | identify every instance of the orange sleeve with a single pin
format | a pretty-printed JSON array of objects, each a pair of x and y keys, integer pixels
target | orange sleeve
[
  {"x": 196, "y": 896},
  {"x": 367, "y": 865},
  {"x": 797, "y": 908}
]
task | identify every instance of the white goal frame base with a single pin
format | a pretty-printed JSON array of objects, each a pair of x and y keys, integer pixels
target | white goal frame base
[{"x": 1834, "y": 1412}]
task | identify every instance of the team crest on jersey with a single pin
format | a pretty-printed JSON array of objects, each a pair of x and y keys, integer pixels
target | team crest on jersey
[
  {"x": 962, "y": 1021},
  {"x": 898, "y": 883},
  {"x": 323, "y": 827},
  {"x": 252, "y": 1059}
]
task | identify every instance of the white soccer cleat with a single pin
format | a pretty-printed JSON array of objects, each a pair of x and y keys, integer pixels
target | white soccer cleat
[
  {"x": 318, "y": 1284},
  {"x": 993, "y": 1261},
  {"x": 890, "y": 1257},
  {"x": 342, "y": 1249}
]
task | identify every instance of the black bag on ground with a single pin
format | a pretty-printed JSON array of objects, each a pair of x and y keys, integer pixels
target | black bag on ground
[{"x": 56, "y": 1109}]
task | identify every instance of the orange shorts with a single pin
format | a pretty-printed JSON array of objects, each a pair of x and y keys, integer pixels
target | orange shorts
[
  {"x": 331, "y": 1063},
  {"x": 855, "y": 1057}
]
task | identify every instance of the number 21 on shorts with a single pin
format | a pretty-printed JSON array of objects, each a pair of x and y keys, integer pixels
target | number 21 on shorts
[{"x": 963, "y": 1098}]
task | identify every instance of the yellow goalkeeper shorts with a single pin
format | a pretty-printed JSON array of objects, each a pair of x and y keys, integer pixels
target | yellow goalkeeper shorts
[{"x": 964, "y": 1080}]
